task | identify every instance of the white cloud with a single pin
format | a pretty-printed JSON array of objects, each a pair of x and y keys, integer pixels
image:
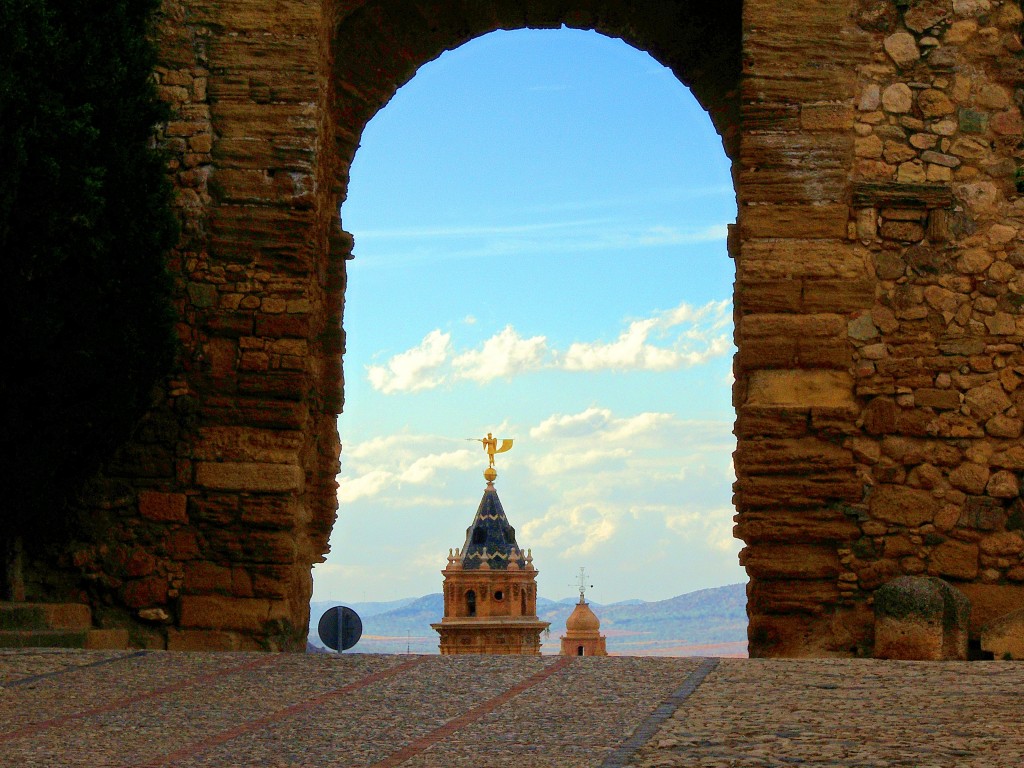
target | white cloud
[
  {"x": 503, "y": 355},
  {"x": 684, "y": 336},
  {"x": 414, "y": 369},
  {"x": 387, "y": 445},
  {"x": 573, "y": 530},
  {"x": 572, "y": 425},
  {"x": 556, "y": 463},
  {"x": 369, "y": 484},
  {"x": 713, "y": 527},
  {"x": 643, "y": 424},
  {"x": 681, "y": 337},
  {"x": 424, "y": 469},
  {"x": 630, "y": 351},
  {"x": 634, "y": 460},
  {"x": 598, "y": 422},
  {"x": 676, "y": 236},
  {"x": 382, "y": 465}
]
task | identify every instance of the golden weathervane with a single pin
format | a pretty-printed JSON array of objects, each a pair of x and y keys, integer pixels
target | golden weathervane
[{"x": 490, "y": 444}]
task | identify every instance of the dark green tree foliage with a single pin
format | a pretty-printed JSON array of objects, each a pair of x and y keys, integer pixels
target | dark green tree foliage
[{"x": 85, "y": 223}]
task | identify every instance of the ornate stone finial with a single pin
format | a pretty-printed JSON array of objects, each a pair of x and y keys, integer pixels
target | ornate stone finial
[{"x": 451, "y": 558}]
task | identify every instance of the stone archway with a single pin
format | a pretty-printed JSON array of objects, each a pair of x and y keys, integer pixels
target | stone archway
[{"x": 877, "y": 153}]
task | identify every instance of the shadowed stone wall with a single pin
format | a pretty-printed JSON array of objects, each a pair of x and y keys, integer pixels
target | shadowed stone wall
[{"x": 875, "y": 148}]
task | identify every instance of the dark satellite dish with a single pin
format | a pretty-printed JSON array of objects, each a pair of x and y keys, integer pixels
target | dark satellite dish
[{"x": 340, "y": 628}]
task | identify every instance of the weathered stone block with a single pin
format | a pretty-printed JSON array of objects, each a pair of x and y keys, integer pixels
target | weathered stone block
[
  {"x": 826, "y": 117},
  {"x": 809, "y": 525},
  {"x": 792, "y": 325},
  {"x": 921, "y": 618},
  {"x": 969, "y": 477},
  {"x": 800, "y": 388},
  {"x": 801, "y": 221},
  {"x": 942, "y": 399},
  {"x": 249, "y": 476},
  {"x": 787, "y": 259},
  {"x": 204, "y": 578},
  {"x": 247, "y": 444},
  {"x": 902, "y": 48},
  {"x": 270, "y": 512},
  {"x": 182, "y": 545},
  {"x": 901, "y": 505},
  {"x": 982, "y": 514},
  {"x": 785, "y": 597},
  {"x": 227, "y": 613},
  {"x": 200, "y": 640},
  {"x": 990, "y": 602},
  {"x": 163, "y": 507},
  {"x": 794, "y": 455},
  {"x": 880, "y": 416},
  {"x": 954, "y": 559},
  {"x": 107, "y": 639},
  {"x": 1003, "y": 544},
  {"x": 142, "y": 593},
  {"x": 790, "y": 562},
  {"x": 1004, "y": 637}
]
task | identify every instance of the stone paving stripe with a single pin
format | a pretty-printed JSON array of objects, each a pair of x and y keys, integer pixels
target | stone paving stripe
[
  {"x": 425, "y": 742},
  {"x": 42, "y": 725},
  {"x": 66, "y": 670},
  {"x": 198, "y": 747},
  {"x": 622, "y": 754}
]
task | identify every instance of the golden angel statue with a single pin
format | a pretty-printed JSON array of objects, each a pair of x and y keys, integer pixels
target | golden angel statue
[{"x": 491, "y": 446}]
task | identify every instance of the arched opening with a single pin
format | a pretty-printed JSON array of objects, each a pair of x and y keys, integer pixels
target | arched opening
[
  {"x": 579, "y": 650},
  {"x": 471, "y": 603},
  {"x": 238, "y": 459},
  {"x": 557, "y": 280}
]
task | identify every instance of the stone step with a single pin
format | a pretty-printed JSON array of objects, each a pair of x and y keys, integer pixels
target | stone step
[
  {"x": 43, "y": 638},
  {"x": 45, "y": 616},
  {"x": 92, "y": 639}
]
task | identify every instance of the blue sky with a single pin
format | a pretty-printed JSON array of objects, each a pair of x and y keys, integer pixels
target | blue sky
[{"x": 540, "y": 220}]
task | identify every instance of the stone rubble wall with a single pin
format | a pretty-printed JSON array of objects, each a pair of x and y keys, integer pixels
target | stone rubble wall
[
  {"x": 876, "y": 148},
  {"x": 938, "y": 355},
  {"x": 908, "y": 341}
]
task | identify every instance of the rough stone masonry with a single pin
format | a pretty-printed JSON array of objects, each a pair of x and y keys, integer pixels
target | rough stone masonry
[{"x": 877, "y": 153}]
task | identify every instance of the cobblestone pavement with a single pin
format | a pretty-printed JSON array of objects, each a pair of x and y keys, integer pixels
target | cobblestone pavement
[{"x": 150, "y": 709}]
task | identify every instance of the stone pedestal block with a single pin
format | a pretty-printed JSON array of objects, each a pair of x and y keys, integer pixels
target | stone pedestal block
[
  {"x": 921, "y": 618},
  {"x": 1004, "y": 637}
]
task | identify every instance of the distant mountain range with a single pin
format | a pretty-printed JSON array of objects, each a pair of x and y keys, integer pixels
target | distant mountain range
[{"x": 709, "y": 622}]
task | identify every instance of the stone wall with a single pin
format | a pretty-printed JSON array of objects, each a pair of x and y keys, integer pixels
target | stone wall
[
  {"x": 909, "y": 293},
  {"x": 878, "y": 254}
]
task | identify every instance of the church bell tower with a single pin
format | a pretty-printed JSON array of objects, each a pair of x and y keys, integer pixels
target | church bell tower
[{"x": 490, "y": 586}]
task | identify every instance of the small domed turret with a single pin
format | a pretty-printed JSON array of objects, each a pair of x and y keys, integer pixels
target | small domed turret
[
  {"x": 582, "y": 629},
  {"x": 583, "y": 620}
]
